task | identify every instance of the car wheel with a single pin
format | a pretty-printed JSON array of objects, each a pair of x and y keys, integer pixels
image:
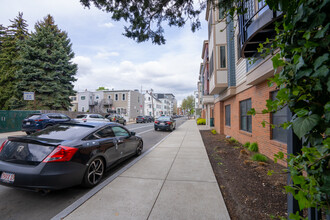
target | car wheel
[
  {"x": 156, "y": 129},
  {"x": 28, "y": 132},
  {"x": 139, "y": 148},
  {"x": 94, "y": 173},
  {"x": 124, "y": 123}
]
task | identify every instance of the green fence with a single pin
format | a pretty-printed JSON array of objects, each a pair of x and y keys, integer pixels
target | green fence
[{"x": 12, "y": 120}]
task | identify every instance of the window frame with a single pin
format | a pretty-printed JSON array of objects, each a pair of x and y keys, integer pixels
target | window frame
[
  {"x": 227, "y": 116},
  {"x": 278, "y": 130},
  {"x": 222, "y": 55},
  {"x": 243, "y": 116}
]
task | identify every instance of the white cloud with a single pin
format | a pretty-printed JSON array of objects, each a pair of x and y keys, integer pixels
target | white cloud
[
  {"x": 84, "y": 65},
  {"x": 107, "y": 25},
  {"x": 106, "y": 55}
]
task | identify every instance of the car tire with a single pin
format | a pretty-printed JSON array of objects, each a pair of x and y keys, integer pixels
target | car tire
[
  {"x": 139, "y": 148},
  {"x": 124, "y": 123},
  {"x": 156, "y": 129},
  {"x": 28, "y": 132},
  {"x": 94, "y": 173}
]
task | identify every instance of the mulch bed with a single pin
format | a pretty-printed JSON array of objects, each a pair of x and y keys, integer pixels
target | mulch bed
[{"x": 248, "y": 191}]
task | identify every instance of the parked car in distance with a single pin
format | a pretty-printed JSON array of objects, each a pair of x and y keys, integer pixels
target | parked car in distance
[
  {"x": 36, "y": 122},
  {"x": 165, "y": 123},
  {"x": 141, "y": 119},
  {"x": 91, "y": 117},
  {"x": 65, "y": 155},
  {"x": 149, "y": 118},
  {"x": 116, "y": 118}
]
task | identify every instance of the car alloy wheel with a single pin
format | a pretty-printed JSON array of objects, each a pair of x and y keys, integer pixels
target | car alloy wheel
[
  {"x": 94, "y": 172},
  {"x": 139, "y": 148}
]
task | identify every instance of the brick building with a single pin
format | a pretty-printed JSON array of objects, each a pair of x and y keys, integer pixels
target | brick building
[{"x": 236, "y": 84}]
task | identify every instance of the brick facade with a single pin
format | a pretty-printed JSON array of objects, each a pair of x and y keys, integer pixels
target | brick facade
[{"x": 262, "y": 135}]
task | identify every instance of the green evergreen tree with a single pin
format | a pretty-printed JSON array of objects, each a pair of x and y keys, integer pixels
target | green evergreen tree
[
  {"x": 47, "y": 69},
  {"x": 9, "y": 51}
]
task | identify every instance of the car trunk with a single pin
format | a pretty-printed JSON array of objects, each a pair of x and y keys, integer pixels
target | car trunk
[{"x": 25, "y": 150}]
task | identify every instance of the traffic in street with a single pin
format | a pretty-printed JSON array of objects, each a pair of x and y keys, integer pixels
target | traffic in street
[{"x": 21, "y": 204}]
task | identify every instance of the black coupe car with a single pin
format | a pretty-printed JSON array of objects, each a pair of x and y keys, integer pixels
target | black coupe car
[
  {"x": 165, "y": 123},
  {"x": 65, "y": 155}
]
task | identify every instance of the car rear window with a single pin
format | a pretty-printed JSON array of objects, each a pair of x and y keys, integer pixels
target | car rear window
[
  {"x": 164, "y": 118},
  {"x": 34, "y": 117},
  {"x": 64, "y": 132},
  {"x": 81, "y": 116},
  {"x": 24, "y": 153}
]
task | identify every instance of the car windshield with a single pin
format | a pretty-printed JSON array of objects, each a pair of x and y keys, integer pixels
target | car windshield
[
  {"x": 164, "y": 118},
  {"x": 64, "y": 132}
]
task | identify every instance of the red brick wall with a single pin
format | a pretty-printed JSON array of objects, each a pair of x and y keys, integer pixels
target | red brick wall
[
  {"x": 262, "y": 135},
  {"x": 203, "y": 114}
]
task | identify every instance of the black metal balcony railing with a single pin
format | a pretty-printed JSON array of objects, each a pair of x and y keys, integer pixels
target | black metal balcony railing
[{"x": 255, "y": 26}]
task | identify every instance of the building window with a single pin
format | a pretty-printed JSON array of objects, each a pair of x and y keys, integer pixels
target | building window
[
  {"x": 97, "y": 97},
  {"x": 211, "y": 64},
  {"x": 124, "y": 97},
  {"x": 109, "y": 97},
  {"x": 238, "y": 46},
  {"x": 227, "y": 115},
  {"x": 223, "y": 57},
  {"x": 278, "y": 118},
  {"x": 148, "y": 98},
  {"x": 221, "y": 13},
  {"x": 83, "y": 97},
  {"x": 82, "y": 109},
  {"x": 245, "y": 119},
  {"x": 116, "y": 97}
]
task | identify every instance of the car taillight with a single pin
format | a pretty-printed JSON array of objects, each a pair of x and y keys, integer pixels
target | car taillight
[
  {"x": 60, "y": 154},
  {"x": 168, "y": 122},
  {"x": 156, "y": 122},
  {"x": 3, "y": 144},
  {"x": 39, "y": 120}
]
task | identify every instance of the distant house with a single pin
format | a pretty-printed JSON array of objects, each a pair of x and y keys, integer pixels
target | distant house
[{"x": 128, "y": 103}]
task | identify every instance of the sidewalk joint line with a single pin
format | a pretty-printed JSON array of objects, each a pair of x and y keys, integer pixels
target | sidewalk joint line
[{"x": 167, "y": 173}]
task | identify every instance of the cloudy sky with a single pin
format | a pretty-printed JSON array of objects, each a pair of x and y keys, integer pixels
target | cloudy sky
[{"x": 106, "y": 58}]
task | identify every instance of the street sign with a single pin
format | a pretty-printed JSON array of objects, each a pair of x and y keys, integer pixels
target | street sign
[{"x": 29, "y": 96}]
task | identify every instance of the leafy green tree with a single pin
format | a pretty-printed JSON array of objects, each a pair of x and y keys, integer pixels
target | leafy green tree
[
  {"x": 188, "y": 104},
  {"x": 46, "y": 67},
  {"x": 145, "y": 17},
  {"x": 9, "y": 51},
  {"x": 101, "y": 88}
]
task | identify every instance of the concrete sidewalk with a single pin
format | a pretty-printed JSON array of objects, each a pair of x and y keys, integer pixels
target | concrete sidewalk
[{"x": 174, "y": 181}]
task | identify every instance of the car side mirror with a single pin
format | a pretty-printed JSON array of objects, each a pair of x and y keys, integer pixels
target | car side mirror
[{"x": 133, "y": 133}]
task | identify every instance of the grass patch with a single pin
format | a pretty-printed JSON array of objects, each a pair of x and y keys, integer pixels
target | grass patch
[
  {"x": 259, "y": 157},
  {"x": 254, "y": 147},
  {"x": 246, "y": 145},
  {"x": 232, "y": 141}
]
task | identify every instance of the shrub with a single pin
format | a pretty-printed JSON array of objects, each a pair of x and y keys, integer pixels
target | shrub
[
  {"x": 254, "y": 147},
  {"x": 259, "y": 157},
  {"x": 232, "y": 140},
  {"x": 246, "y": 145},
  {"x": 201, "y": 121},
  {"x": 213, "y": 131}
]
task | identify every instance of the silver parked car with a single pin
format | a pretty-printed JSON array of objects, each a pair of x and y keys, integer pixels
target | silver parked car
[{"x": 91, "y": 117}]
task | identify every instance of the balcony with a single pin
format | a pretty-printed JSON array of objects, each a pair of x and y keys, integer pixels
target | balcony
[
  {"x": 92, "y": 102},
  {"x": 255, "y": 28},
  {"x": 218, "y": 82},
  {"x": 208, "y": 99},
  {"x": 107, "y": 102}
]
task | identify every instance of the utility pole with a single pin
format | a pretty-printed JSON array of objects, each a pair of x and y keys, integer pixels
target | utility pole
[{"x": 152, "y": 103}]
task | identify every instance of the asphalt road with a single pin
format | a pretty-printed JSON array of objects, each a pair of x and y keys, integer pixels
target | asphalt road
[{"x": 18, "y": 204}]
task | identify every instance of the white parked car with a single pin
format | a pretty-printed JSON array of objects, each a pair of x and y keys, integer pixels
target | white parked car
[{"x": 91, "y": 117}]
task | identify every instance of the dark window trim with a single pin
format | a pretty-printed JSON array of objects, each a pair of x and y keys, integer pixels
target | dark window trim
[
  {"x": 246, "y": 117},
  {"x": 227, "y": 122}
]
